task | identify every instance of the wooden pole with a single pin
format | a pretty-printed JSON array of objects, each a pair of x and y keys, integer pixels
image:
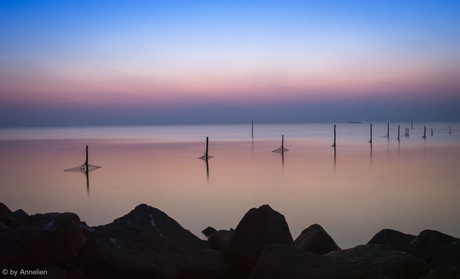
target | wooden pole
[
  {"x": 370, "y": 141},
  {"x": 388, "y": 130},
  {"x": 411, "y": 125},
  {"x": 431, "y": 131},
  {"x": 424, "y": 132},
  {"x": 282, "y": 143},
  {"x": 399, "y": 129},
  {"x": 450, "y": 130},
  {"x": 86, "y": 163},
  {"x": 335, "y": 137},
  {"x": 207, "y": 141},
  {"x": 252, "y": 129}
]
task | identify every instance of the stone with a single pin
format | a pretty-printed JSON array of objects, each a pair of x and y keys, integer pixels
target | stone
[
  {"x": 259, "y": 227},
  {"x": 437, "y": 274},
  {"x": 208, "y": 231},
  {"x": 400, "y": 241},
  {"x": 447, "y": 258},
  {"x": 6, "y": 216},
  {"x": 219, "y": 240},
  {"x": 370, "y": 261},
  {"x": 42, "y": 240},
  {"x": 430, "y": 240},
  {"x": 156, "y": 221},
  {"x": 278, "y": 261},
  {"x": 316, "y": 240},
  {"x": 145, "y": 244}
]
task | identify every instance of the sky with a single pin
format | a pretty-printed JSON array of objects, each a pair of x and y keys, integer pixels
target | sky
[{"x": 84, "y": 63}]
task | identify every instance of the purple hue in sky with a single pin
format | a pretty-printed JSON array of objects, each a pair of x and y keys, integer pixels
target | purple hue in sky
[{"x": 197, "y": 62}]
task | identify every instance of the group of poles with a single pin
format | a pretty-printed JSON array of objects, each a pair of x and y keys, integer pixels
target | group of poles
[{"x": 282, "y": 149}]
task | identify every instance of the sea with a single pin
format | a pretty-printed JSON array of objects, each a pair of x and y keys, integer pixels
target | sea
[{"x": 353, "y": 190}]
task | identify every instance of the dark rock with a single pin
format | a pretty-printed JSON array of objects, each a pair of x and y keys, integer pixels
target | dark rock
[
  {"x": 388, "y": 237},
  {"x": 75, "y": 272},
  {"x": 430, "y": 240},
  {"x": 279, "y": 261},
  {"x": 43, "y": 239},
  {"x": 208, "y": 231},
  {"x": 206, "y": 263},
  {"x": 316, "y": 240},
  {"x": 455, "y": 272},
  {"x": 400, "y": 241},
  {"x": 447, "y": 258},
  {"x": 6, "y": 216},
  {"x": 142, "y": 244},
  {"x": 158, "y": 222},
  {"x": 258, "y": 228},
  {"x": 370, "y": 261},
  {"x": 3, "y": 226},
  {"x": 20, "y": 218},
  {"x": 219, "y": 240},
  {"x": 54, "y": 272},
  {"x": 437, "y": 274}
]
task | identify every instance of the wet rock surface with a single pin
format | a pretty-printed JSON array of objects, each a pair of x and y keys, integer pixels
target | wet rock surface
[{"x": 316, "y": 240}]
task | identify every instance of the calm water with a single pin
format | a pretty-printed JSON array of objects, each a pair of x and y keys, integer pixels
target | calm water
[{"x": 352, "y": 191}]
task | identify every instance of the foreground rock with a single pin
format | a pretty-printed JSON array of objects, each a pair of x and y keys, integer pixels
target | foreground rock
[
  {"x": 447, "y": 259},
  {"x": 146, "y": 243},
  {"x": 218, "y": 240},
  {"x": 371, "y": 261},
  {"x": 430, "y": 241},
  {"x": 316, "y": 240},
  {"x": 279, "y": 261},
  {"x": 400, "y": 241},
  {"x": 258, "y": 228},
  {"x": 42, "y": 241}
]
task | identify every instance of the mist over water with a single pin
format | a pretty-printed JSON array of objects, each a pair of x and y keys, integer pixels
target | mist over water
[{"x": 353, "y": 191}]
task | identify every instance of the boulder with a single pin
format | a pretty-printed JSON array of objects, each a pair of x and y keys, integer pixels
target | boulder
[
  {"x": 370, "y": 261},
  {"x": 437, "y": 274},
  {"x": 400, "y": 241},
  {"x": 430, "y": 240},
  {"x": 278, "y": 261},
  {"x": 156, "y": 221},
  {"x": 208, "y": 231},
  {"x": 316, "y": 240},
  {"x": 43, "y": 240},
  {"x": 447, "y": 258},
  {"x": 146, "y": 243},
  {"x": 6, "y": 216},
  {"x": 258, "y": 228},
  {"x": 219, "y": 240}
]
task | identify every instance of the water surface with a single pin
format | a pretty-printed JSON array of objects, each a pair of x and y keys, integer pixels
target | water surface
[{"x": 353, "y": 191}]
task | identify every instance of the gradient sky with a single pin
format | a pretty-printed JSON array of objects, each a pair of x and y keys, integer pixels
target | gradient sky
[{"x": 191, "y": 62}]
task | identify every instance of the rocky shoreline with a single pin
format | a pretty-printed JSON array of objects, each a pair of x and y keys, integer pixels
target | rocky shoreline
[{"x": 147, "y": 243}]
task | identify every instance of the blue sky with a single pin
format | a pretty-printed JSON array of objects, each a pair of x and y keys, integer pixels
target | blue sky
[{"x": 180, "y": 62}]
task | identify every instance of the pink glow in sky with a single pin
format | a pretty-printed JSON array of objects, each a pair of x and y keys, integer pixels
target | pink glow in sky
[{"x": 122, "y": 56}]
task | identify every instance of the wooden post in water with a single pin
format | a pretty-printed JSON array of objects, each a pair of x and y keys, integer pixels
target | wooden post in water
[
  {"x": 450, "y": 130},
  {"x": 335, "y": 137},
  {"x": 282, "y": 143},
  {"x": 424, "y": 132},
  {"x": 252, "y": 135},
  {"x": 207, "y": 141},
  {"x": 86, "y": 163},
  {"x": 431, "y": 131},
  {"x": 399, "y": 129},
  {"x": 388, "y": 130},
  {"x": 370, "y": 141},
  {"x": 411, "y": 125}
]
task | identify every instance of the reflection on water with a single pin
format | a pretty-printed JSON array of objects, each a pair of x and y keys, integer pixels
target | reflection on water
[{"x": 408, "y": 187}]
